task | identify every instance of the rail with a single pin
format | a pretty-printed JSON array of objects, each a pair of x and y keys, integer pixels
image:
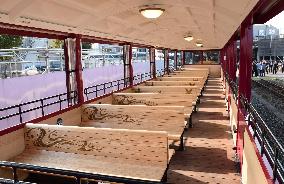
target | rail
[
  {"x": 269, "y": 145},
  {"x": 96, "y": 89},
  {"x": 19, "y": 109},
  {"x": 78, "y": 175}
]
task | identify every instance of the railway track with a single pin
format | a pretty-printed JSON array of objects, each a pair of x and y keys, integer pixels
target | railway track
[{"x": 275, "y": 89}]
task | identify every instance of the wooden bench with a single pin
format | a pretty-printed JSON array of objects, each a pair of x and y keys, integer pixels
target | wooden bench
[
  {"x": 137, "y": 117},
  {"x": 119, "y": 154},
  {"x": 190, "y": 90},
  {"x": 173, "y": 83},
  {"x": 156, "y": 99},
  {"x": 175, "y": 78},
  {"x": 180, "y": 80}
]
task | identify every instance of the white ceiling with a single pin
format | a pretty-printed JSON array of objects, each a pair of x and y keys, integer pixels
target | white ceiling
[{"x": 212, "y": 21}]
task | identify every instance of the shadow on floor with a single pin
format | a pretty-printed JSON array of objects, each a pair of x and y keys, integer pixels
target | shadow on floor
[
  {"x": 202, "y": 115},
  {"x": 202, "y": 159},
  {"x": 212, "y": 131},
  {"x": 177, "y": 178}
]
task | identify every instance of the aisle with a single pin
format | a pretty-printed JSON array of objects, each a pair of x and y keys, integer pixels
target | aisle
[{"x": 208, "y": 157}]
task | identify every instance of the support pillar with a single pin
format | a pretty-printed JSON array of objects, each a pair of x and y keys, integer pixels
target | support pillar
[
  {"x": 127, "y": 62},
  {"x": 78, "y": 70},
  {"x": 175, "y": 59},
  {"x": 152, "y": 62},
  {"x": 183, "y": 58},
  {"x": 167, "y": 61},
  {"x": 246, "y": 48},
  {"x": 73, "y": 67}
]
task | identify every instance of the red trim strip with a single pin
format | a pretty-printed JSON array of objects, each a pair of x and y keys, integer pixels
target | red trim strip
[{"x": 264, "y": 168}]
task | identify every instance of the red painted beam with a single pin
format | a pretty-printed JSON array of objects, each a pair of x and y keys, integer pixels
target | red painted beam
[
  {"x": 175, "y": 59},
  {"x": 78, "y": 70},
  {"x": 246, "y": 44},
  {"x": 267, "y": 9}
]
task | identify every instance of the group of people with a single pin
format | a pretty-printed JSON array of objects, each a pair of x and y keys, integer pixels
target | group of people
[{"x": 259, "y": 68}]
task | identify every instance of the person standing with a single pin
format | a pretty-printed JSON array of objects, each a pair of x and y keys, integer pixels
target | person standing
[
  {"x": 258, "y": 66},
  {"x": 263, "y": 67},
  {"x": 282, "y": 66},
  {"x": 270, "y": 66},
  {"x": 275, "y": 67},
  {"x": 254, "y": 68}
]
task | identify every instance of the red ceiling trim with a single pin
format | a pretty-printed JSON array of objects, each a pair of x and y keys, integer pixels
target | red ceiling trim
[{"x": 267, "y": 9}]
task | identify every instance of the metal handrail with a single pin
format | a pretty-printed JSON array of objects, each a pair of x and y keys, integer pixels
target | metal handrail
[
  {"x": 102, "y": 87},
  {"x": 78, "y": 175},
  {"x": 275, "y": 151},
  {"x": 20, "y": 107}
]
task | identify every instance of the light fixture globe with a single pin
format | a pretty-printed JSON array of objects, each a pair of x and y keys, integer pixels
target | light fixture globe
[
  {"x": 151, "y": 13},
  {"x": 199, "y": 44},
  {"x": 188, "y": 38}
]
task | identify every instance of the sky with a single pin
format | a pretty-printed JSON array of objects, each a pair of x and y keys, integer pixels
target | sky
[{"x": 277, "y": 21}]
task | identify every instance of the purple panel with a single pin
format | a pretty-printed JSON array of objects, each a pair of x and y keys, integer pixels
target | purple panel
[
  {"x": 18, "y": 90},
  {"x": 95, "y": 76}
]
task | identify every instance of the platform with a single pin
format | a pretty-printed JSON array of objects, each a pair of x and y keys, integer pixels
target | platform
[{"x": 208, "y": 157}]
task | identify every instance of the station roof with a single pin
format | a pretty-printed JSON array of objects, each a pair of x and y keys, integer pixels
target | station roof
[{"x": 212, "y": 21}]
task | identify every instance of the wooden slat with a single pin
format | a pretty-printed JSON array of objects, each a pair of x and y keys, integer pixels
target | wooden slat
[
  {"x": 127, "y": 153},
  {"x": 173, "y": 83},
  {"x": 156, "y": 99},
  {"x": 139, "y": 117},
  {"x": 190, "y": 90}
]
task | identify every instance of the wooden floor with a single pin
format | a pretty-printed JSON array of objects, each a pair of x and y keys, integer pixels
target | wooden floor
[{"x": 208, "y": 157}]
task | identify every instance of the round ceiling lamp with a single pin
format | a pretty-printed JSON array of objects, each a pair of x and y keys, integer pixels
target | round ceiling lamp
[
  {"x": 188, "y": 38},
  {"x": 199, "y": 44},
  {"x": 151, "y": 13}
]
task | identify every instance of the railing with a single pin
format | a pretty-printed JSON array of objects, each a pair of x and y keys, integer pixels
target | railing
[
  {"x": 20, "y": 109},
  {"x": 233, "y": 85},
  {"x": 103, "y": 87},
  {"x": 269, "y": 145},
  {"x": 77, "y": 175},
  {"x": 160, "y": 72},
  {"x": 96, "y": 89}
]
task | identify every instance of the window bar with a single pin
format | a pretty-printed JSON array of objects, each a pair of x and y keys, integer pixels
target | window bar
[
  {"x": 276, "y": 152},
  {"x": 42, "y": 110},
  {"x": 20, "y": 113},
  {"x": 263, "y": 142},
  {"x": 60, "y": 104}
]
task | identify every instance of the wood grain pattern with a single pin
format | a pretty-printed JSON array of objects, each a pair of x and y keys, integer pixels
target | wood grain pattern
[
  {"x": 131, "y": 153},
  {"x": 190, "y": 90},
  {"x": 173, "y": 83},
  {"x": 138, "y": 117},
  {"x": 156, "y": 99}
]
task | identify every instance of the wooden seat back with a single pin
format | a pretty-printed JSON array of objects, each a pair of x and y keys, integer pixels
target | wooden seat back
[
  {"x": 191, "y": 90},
  {"x": 178, "y": 78},
  {"x": 153, "y": 99},
  {"x": 137, "y": 117},
  {"x": 173, "y": 83},
  {"x": 131, "y": 146}
]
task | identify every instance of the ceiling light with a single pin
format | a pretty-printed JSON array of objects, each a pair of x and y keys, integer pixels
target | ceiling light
[
  {"x": 199, "y": 44},
  {"x": 152, "y": 13},
  {"x": 188, "y": 38}
]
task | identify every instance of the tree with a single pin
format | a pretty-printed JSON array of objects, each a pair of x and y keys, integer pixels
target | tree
[
  {"x": 86, "y": 45},
  {"x": 10, "y": 41},
  {"x": 57, "y": 44}
]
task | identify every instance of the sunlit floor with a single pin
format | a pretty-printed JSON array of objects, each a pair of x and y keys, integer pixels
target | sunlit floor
[{"x": 208, "y": 157}]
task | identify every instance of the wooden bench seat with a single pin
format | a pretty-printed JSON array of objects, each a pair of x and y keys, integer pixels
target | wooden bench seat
[
  {"x": 175, "y": 78},
  {"x": 190, "y": 90},
  {"x": 137, "y": 117},
  {"x": 135, "y": 154},
  {"x": 157, "y": 99},
  {"x": 173, "y": 83}
]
